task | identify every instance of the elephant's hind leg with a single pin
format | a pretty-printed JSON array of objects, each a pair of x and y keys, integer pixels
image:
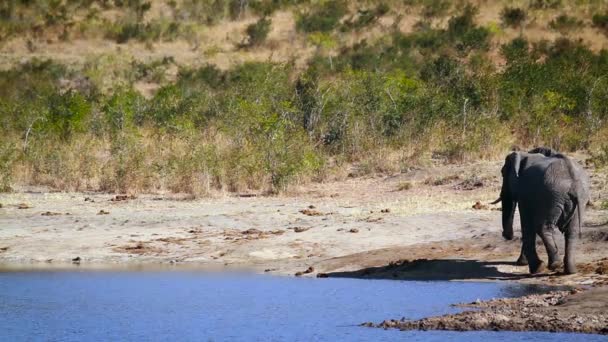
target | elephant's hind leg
[
  {"x": 546, "y": 234},
  {"x": 535, "y": 265},
  {"x": 571, "y": 240},
  {"x": 522, "y": 260}
]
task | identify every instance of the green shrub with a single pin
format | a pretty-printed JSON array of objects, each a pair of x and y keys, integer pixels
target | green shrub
[
  {"x": 324, "y": 18},
  {"x": 600, "y": 21},
  {"x": 258, "y": 31},
  {"x": 67, "y": 113},
  {"x": 513, "y": 16},
  {"x": 545, "y": 4},
  {"x": 8, "y": 154},
  {"x": 465, "y": 34},
  {"x": 564, "y": 23},
  {"x": 365, "y": 17},
  {"x": 436, "y": 8}
]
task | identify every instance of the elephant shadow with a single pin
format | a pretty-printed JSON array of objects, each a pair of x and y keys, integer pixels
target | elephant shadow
[{"x": 435, "y": 269}]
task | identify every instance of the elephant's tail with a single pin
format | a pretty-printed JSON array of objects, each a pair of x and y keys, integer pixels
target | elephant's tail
[
  {"x": 576, "y": 208},
  {"x": 577, "y": 190}
]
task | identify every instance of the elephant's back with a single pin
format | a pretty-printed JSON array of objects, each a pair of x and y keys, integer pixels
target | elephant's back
[{"x": 545, "y": 179}]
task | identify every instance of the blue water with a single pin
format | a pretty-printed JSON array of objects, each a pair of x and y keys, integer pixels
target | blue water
[{"x": 193, "y": 306}]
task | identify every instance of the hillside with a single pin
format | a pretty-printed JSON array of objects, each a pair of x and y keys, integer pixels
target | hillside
[{"x": 236, "y": 95}]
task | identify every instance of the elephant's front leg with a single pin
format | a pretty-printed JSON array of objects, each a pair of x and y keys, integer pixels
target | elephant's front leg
[{"x": 546, "y": 234}]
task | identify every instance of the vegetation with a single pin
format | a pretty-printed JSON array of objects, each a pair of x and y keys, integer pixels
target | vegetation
[
  {"x": 513, "y": 16},
  {"x": 381, "y": 103},
  {"x": 258, "y": 31},
  {"x": 564, "y": 24}
]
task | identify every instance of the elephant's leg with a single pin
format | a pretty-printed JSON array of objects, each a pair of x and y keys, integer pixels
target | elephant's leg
[
  {"x": 571, "y": 241},
  {"x": 546, "y": 235},
  {"x": 522, "y": 260},
  {"x": 529, "y": 245}
]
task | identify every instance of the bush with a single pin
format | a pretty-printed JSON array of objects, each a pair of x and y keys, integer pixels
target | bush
[
  {"x": 545, "y": 4},
  {"x": 365, "y": 17},
  {"x": 564, "y": 23},
  {"x": 324, "y": 18},
  {"x": 436, "y": 8},
  {"x": 513, "y": 16},
  {"x": 258, "y": 31},
  {"x": 600, "y": 21}
]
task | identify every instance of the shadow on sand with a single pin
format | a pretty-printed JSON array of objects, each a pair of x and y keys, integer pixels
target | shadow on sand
[{"x": 438, "y": 269}]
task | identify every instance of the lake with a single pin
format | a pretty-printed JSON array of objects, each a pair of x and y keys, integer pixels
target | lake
[{"x": 203, "y": 306}]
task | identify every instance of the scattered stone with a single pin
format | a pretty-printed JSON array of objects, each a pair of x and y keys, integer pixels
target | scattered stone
[
  {"x": 119, "y": 198},
  {"x": 3, "y": 249},
  {"x": 76, "y": 260},
  {"x": 247, "y": 195},
  {"x": 385, "y": 211},
  {"x": 50, "y": 213},
  {"x": 311, "y": 207},
  {"x": 537, "y": 312},
  {"x": 471, "y": 183},
  {"x": 103, "y": 212},
  {"x": 23, "y": 206},
  {"x": 311, "y": 212},
  {"x": 251, "y": 231},
  {"x": 307, "y": 271},
  {"x": 300, "y": 229},
  {"x": 479, "y": 206},
  {"x": 353, "y": 230},
  {"x": 88, "y": 199}
]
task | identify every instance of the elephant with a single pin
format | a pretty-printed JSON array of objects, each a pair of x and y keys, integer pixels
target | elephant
[{"x": 551, "y": 191}]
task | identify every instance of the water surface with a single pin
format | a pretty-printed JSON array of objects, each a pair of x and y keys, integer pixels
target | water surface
[{"x": 197, "y": 306}]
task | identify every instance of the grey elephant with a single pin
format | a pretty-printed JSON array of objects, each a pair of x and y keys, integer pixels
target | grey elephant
[{"x": 551, "y": 191}]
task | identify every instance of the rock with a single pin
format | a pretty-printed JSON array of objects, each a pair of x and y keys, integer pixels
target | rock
[
  {"x": 103, "y": 212},
  {"x": 385, "y": 211},
  {"x": 479, "y": 206},
  {"x": 88, "y": 199},
  {"x": 251, "y": 231},
  {"x": 300, "y": 229},
  {"x": 50, "y": 213},
  {"x": 119, "y": 198},
  {"x": 311, "y": 207},
  {"x": 23, "y": 206},
  {"x": 353, "y": 230},
  {"x": 76, "y": 260},
  {"x": 307, "y": 271},
  {"x": 311, "y": 212}
]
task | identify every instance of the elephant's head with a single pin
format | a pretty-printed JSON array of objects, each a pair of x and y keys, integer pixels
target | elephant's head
[{"x": 508, "y": 193}]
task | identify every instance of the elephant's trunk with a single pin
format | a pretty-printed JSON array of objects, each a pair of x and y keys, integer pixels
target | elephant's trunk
[{"x": 508, "y": 212}]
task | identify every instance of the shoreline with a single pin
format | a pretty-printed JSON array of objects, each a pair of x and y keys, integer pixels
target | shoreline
[{"x": 557, "y": 311}]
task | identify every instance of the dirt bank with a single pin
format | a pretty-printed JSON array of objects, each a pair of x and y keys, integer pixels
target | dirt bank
[{"x": 558, "y": 311}]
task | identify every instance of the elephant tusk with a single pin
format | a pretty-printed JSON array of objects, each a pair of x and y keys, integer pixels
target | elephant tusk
[{"x": 497, "y": 200}]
